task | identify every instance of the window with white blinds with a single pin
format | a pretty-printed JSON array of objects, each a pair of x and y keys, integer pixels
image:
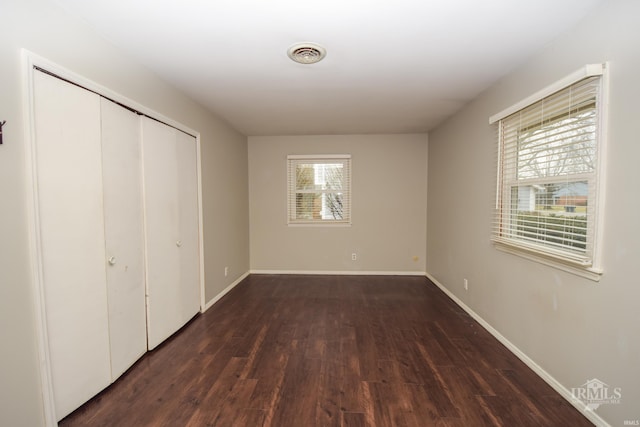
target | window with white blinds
[
  {"x": 319, "y": 189},
  {"x": 548, "y": 176}
]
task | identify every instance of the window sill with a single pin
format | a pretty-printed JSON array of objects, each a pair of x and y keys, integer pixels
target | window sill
[{"x": 590, "y": 273}]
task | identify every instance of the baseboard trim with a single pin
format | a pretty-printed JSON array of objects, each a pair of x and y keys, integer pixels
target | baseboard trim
[
  {"x": 555, "y": 384},
  {"x": 342, "y": 273},
  {"x": 225, "y": 291}
]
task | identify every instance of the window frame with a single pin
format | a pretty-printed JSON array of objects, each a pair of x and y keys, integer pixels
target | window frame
[
  {"x": 589, "y": 265},
  {"x": 292, "y": 161}
]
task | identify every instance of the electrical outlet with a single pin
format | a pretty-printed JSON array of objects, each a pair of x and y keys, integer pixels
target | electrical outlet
[
  {"x": 354, "y": 256},
  {"x": 226, "y": 271},
  {"x": 466, "y": 285}
]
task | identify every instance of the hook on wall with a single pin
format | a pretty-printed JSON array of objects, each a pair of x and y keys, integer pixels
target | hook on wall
[{"x": 1, "y": 125}]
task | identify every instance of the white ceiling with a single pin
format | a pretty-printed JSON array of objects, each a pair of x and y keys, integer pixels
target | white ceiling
[{"x": 398, "y": 66}]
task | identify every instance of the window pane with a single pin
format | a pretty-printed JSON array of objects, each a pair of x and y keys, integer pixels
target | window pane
[
  {"x": 319, "y": 176},
  {"x": 562, "y": 147},
  {"x": 554, "y": 214},
  {"x": 332, "y": 206},
  {"x": 333, "y": 177},
  {"x": 305, "y": 177},
  {"x": 308, "y": 206},
  {"x": 319, "y": 206}
]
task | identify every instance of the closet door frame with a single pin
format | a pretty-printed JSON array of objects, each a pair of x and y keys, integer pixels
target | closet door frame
[{"x": 30, "y": 61}]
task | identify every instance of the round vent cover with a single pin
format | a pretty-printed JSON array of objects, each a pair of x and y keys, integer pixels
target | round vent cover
[{"x": 306, "y": 53}]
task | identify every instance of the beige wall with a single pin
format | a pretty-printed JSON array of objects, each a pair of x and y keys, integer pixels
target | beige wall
[
  {"x": 388, "y": 207},
  {"x": 573, "y": 328},
  {"x": 40, "y": 27}
]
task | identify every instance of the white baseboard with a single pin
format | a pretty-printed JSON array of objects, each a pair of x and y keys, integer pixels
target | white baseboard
[
  {"x": 224, "y": 292},
  {"x": 557, "y": 386},
  {"x": 342, "y": 273}
]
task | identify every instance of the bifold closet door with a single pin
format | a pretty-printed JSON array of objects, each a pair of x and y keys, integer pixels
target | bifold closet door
[
  {"x": 171, "y": 229},
  {"x": 71, "y": 227},
  {"x": 124, "y": 235}
]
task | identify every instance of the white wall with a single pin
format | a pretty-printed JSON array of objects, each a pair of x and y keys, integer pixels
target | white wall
[
  {"x": 574, "y": 328},
  {"x": 42, "y": 28},
  {"x": 388, "y": 206}
]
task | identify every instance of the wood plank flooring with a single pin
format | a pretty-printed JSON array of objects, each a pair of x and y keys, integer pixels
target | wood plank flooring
[{"x": 350, "y": 351}]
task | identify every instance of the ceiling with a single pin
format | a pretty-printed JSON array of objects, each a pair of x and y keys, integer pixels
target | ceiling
[{"x": 400, "y": 66}]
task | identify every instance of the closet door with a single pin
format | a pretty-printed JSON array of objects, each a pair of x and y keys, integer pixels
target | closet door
[
  {"x": 186, "y": 157},
  {"x": 70, "y": 210},
  {"x": 124, "y": 235},
  {"x": 171, "y": 229}
]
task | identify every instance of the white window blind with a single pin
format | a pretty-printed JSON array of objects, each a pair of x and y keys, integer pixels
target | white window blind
[
  {"x": 547, "y": 192},
  {"x": 319, "y": 189}
]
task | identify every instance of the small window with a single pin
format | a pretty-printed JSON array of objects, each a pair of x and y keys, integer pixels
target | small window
[
  {"x": 319, "y": 189},
  {"x": 548, "y": 177}
]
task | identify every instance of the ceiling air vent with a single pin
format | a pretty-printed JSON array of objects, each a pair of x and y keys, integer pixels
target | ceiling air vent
[{"x": 306, "y": 53}]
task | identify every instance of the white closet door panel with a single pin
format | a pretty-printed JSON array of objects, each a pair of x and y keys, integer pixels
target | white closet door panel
[
  {"x": 72, "y": 239},
  {"x": 186, "y": 156},
  {"x": 169, "y": 292},
  {"x": 122, "y": 180}
]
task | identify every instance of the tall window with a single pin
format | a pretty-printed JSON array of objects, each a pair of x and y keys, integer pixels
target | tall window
[
  {"x": 319, "y": 189},
  {"x": 548, "y": 176}
]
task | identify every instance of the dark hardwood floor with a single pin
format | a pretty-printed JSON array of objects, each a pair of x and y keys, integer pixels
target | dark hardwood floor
[{"x": 305, "y": 351}]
